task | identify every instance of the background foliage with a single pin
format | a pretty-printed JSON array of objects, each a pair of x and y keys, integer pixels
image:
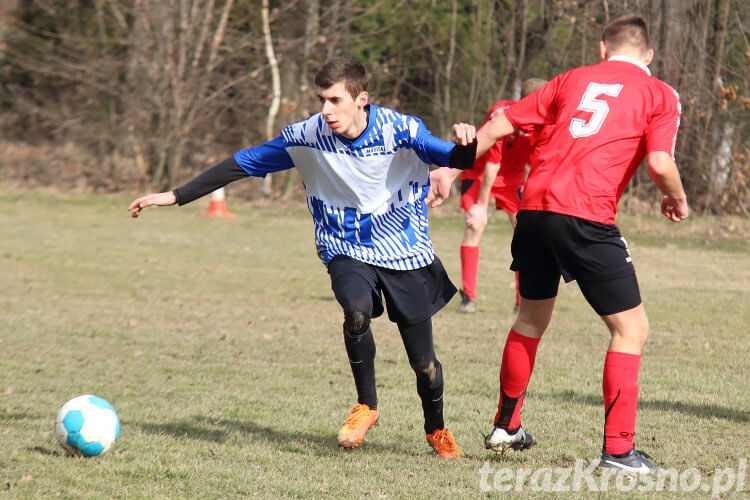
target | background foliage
[{"x": 114, "y": 93}]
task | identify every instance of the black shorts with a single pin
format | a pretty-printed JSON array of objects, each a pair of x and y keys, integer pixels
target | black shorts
[
  {"x": 547, "y": 245},
  {"x": 410, "y": 296}
]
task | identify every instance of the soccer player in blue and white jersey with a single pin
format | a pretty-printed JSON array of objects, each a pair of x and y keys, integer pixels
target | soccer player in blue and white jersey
[{"x": 366, "y": 174}]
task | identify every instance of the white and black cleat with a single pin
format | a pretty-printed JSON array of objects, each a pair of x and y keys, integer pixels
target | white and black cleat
[
  {"x": 634, "y": 462},
  {"x": 500, "y": 440}
]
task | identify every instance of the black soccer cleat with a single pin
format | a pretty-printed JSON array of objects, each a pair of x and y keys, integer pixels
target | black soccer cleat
[
  {"x": 467, "y": 305},
  {"x": 500, "y": 440},
  {"x": 634, "y": 461}
]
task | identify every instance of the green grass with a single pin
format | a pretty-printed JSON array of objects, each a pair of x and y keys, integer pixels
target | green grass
[{"x": 219, "y": 344}]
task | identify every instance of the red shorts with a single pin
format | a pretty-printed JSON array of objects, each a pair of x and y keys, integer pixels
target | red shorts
[{"x": 506, "y": 198}]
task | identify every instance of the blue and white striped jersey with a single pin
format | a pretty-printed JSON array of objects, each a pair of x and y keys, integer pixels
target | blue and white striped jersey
[{"x": 366, "y": 195}]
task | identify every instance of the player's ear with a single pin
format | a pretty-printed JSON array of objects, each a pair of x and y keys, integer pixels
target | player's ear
[
  {"x": 362, "y": 99},
  {"x": 603, "y": 50},
  {"x": 649, "y": 57}
]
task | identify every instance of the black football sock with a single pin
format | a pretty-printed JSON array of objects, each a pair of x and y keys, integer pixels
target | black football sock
[
  {"x": 361, "y": 351},
  {"x": 421, "y": 352}
]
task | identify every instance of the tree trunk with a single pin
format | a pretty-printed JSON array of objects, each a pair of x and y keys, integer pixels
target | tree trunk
[
  {"x": 6, "y": 7},
  {"x": 518, "y": 81},
  {"x": 510, "y": 53},
  {"x": 312, "y": 30},
  {"x": 721, "y": 135},
  {"x": 584, "y": 33},
  {"x": 273, "y": 109},
  {"x": 722, "y": 13},
  {"x": 449, "y": 66}
]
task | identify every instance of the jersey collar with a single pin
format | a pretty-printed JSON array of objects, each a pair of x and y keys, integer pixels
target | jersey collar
[
  {"x": 361, "y": 137},
  {"x": 631, "y": 60}
]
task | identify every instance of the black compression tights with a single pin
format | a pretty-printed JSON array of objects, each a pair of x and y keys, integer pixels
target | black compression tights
[{"x": 421, "y": 353}]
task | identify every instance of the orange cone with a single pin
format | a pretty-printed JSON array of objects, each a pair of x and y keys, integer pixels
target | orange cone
[{"x": 218, "y": 205}]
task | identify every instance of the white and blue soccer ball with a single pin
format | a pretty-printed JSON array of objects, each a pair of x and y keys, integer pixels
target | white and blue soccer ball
[{"x": 87, "y": 425}]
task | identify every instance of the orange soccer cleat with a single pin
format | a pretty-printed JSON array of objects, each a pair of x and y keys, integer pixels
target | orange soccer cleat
[
  {"x": 361, "y": 418},
  {"x": 444, "y": 445}
]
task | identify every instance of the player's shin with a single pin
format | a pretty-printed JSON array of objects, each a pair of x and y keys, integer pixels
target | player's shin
[
  {"x": 518, "y": 363},
  {"x": 428, "y": 370},
  {"x": 469, "y": 268},
  {"x": 361, "y": 351},
  {"x": 620, "y": 387},
  {"x": 430, "y": 390}
]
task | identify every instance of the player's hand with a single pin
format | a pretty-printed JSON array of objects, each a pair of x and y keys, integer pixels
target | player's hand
[
  {"x": 154, "y": 199},
  {"x": 441, "y": 180},
  {"x": 464, "y": 133},
  {"x": 476, "y": 215},
  {"x": 674, "y": 209}
]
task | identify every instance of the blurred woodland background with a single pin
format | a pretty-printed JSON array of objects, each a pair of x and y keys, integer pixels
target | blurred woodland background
[{"x": 135, "y": 94}]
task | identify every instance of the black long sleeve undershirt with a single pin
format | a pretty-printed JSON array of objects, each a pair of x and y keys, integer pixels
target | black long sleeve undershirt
[
  {"x": 462, "y": 157},
  {"x": 212, "y": 179}
]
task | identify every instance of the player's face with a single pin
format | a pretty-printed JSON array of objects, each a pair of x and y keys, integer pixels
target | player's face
[{"x": 343, "y": 113}]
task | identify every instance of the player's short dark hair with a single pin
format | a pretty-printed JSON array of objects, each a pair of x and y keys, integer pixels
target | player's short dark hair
[
  {"x": 346, "y": 69},
  {"x": 531, "y": 84},
  {"x": 627, "y": 30}
]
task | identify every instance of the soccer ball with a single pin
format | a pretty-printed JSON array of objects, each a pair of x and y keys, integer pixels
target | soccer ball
[{"x": 87, "y": 425}]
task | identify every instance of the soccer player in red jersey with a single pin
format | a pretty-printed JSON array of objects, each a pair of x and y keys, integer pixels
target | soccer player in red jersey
[
  {"x": 499, "y": 173},
  {"x": 600, "y": 122}
]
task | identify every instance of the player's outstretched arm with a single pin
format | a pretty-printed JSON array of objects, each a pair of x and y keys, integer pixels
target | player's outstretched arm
[
  {"x": 212, "y": 179},
  {"x": 154, "y": 199},
  {"x": 664, "y": 173},
  {"x": 492, "y": 131}
]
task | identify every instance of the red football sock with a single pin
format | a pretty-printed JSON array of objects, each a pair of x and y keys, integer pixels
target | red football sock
[
  {"x": 518, "y": 363},
  {"x": 518, "y": 292},
  {"x": 469, "y": 266},
  {"x": 620, "y": 387}
]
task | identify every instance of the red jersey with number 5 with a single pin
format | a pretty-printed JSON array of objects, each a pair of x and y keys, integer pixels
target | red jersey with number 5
[
  {"x": 511, "y": 152},
  {"x": 600, "y": 122}
]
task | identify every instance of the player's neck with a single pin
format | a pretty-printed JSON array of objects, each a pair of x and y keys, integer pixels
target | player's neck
[
  {"x": 638, "y": 61},
  {"x": 361, "y": 121},
  {"x": 630, "y": 54}
]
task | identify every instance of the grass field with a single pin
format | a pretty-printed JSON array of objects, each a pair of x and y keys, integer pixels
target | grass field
[{"x": 219, "y": 344}]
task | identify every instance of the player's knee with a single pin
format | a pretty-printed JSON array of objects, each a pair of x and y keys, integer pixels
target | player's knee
[
  {"x": 356, "y": 323},
  {"x": 532, "y": 325},
  {"x": 633, "y": 331},
  {"x": 639, "y": 331},
  {"x": 476, "y": 227},
  {"x": 429, "y": 370}
]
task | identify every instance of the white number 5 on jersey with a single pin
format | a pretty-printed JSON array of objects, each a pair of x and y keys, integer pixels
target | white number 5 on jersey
[{"x": 599, "y": 108}]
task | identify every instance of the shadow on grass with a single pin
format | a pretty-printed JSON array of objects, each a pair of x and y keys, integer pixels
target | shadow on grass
[
  {"x": 321, "y": 298},
  {"x": 6, "y": 415},
  {"x": 218, "y": 430},
  {"x": 44, "y": 451},
  {"x": 695, "y": 410},
  {"x": 191, "y": 430}
]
